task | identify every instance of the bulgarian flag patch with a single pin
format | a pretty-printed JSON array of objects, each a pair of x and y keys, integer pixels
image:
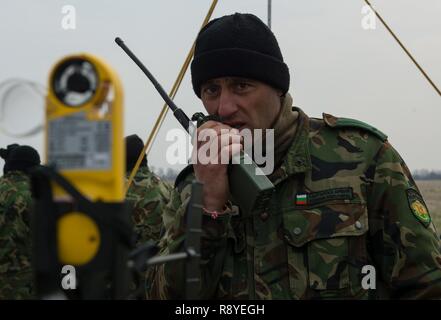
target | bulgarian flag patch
[
  {"x": 322, "y": 196},
  {"x": 301, "y": 199}
]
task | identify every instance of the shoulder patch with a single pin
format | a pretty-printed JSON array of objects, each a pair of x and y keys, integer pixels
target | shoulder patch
[
  {"x": 418, "y": 207},
  {"x": 337, "y": 122},
  {"x": 183, "y": 174}
]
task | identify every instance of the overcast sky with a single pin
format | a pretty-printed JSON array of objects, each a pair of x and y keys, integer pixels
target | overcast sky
[{"x": 336, "y": 66}]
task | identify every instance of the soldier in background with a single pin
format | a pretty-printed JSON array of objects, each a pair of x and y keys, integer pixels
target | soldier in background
[
  {"x": 148, "y": 194},
  {"x": 16, "y": 278},
  {"x": 344, "y": 198}
]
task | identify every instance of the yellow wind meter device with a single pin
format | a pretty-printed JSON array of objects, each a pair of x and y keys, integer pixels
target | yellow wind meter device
[
  {"x": 81, "y": 218},
  {"x": 84, "y": 135}
]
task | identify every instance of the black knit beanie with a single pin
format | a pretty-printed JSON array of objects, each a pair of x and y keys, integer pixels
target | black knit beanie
[
  {"x": 134, "y": 146},
  {"x": 19, "y": 158},
  {"x": 238, "y": 45}
]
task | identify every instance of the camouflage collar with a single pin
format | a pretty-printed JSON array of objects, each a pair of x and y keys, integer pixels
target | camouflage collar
[{"x": 297, "y": 159}]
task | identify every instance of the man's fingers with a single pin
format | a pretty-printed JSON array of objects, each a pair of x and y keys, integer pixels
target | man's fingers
[
  {"x": 217, "y": 126},
  {"x": 227, "y": 152},
  {"x": 213, "y": 125},
  {"x": 224, "y": 135},
  {"x": 228, "y": 138}
]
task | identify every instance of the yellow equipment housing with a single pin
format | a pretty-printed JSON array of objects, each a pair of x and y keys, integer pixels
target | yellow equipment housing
[
  {"x": 84, "y": 141},
  {"x": 107, "y": 183}
]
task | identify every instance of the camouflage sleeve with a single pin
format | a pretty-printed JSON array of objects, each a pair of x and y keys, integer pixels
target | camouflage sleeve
[
  {"x": 16, "y": 279},
  {"x": 403, "y": 241},
  {"x": 168, "y": 281},
  {"x": 148, "y": 197}
]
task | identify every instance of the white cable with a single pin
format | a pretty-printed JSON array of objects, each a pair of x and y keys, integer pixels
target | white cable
[{"x": 7, "y": 87}]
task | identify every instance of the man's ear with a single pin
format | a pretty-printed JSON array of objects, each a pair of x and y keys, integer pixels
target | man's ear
[{"x": 282, "y": 97}]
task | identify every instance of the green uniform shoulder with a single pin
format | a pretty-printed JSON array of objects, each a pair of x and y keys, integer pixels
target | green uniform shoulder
[
  {"x": 14, "y": 177},
  {"x": 143, "y": 172},
  {"x": 15, "y": 266},
  {"x": 146, "y": 184},
  {"x": 15, "y": 191},
  {"x": 339, "y": 122}
]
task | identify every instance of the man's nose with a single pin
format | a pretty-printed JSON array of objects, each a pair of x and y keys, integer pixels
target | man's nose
[{"x": 227, "y": 105}]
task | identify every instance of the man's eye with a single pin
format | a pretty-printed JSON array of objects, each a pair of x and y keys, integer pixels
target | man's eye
[
  {"x": 210, "y": 90},
  {"x": 243, "y": 86}
]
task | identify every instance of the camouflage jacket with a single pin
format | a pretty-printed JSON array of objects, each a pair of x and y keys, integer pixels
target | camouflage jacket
[
  {"x": 148, "y": 196},
  {"x": 344, "y": 200},
  {"x": 16, "y": 279}
]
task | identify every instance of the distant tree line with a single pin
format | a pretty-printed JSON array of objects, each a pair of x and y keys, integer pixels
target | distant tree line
[
  {"x": 424, "y": 174},
  {"x": 170, "y": 174}
]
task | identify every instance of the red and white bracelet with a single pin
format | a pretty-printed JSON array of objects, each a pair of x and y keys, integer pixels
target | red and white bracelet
[{"x": 214, "y": 214}]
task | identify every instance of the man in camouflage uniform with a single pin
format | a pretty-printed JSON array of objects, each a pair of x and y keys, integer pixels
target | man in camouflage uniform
[
  {"x": 147, "y": 194},
  {"x": 345, "y": 203},
  {"x": 16, "y": 279}
]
